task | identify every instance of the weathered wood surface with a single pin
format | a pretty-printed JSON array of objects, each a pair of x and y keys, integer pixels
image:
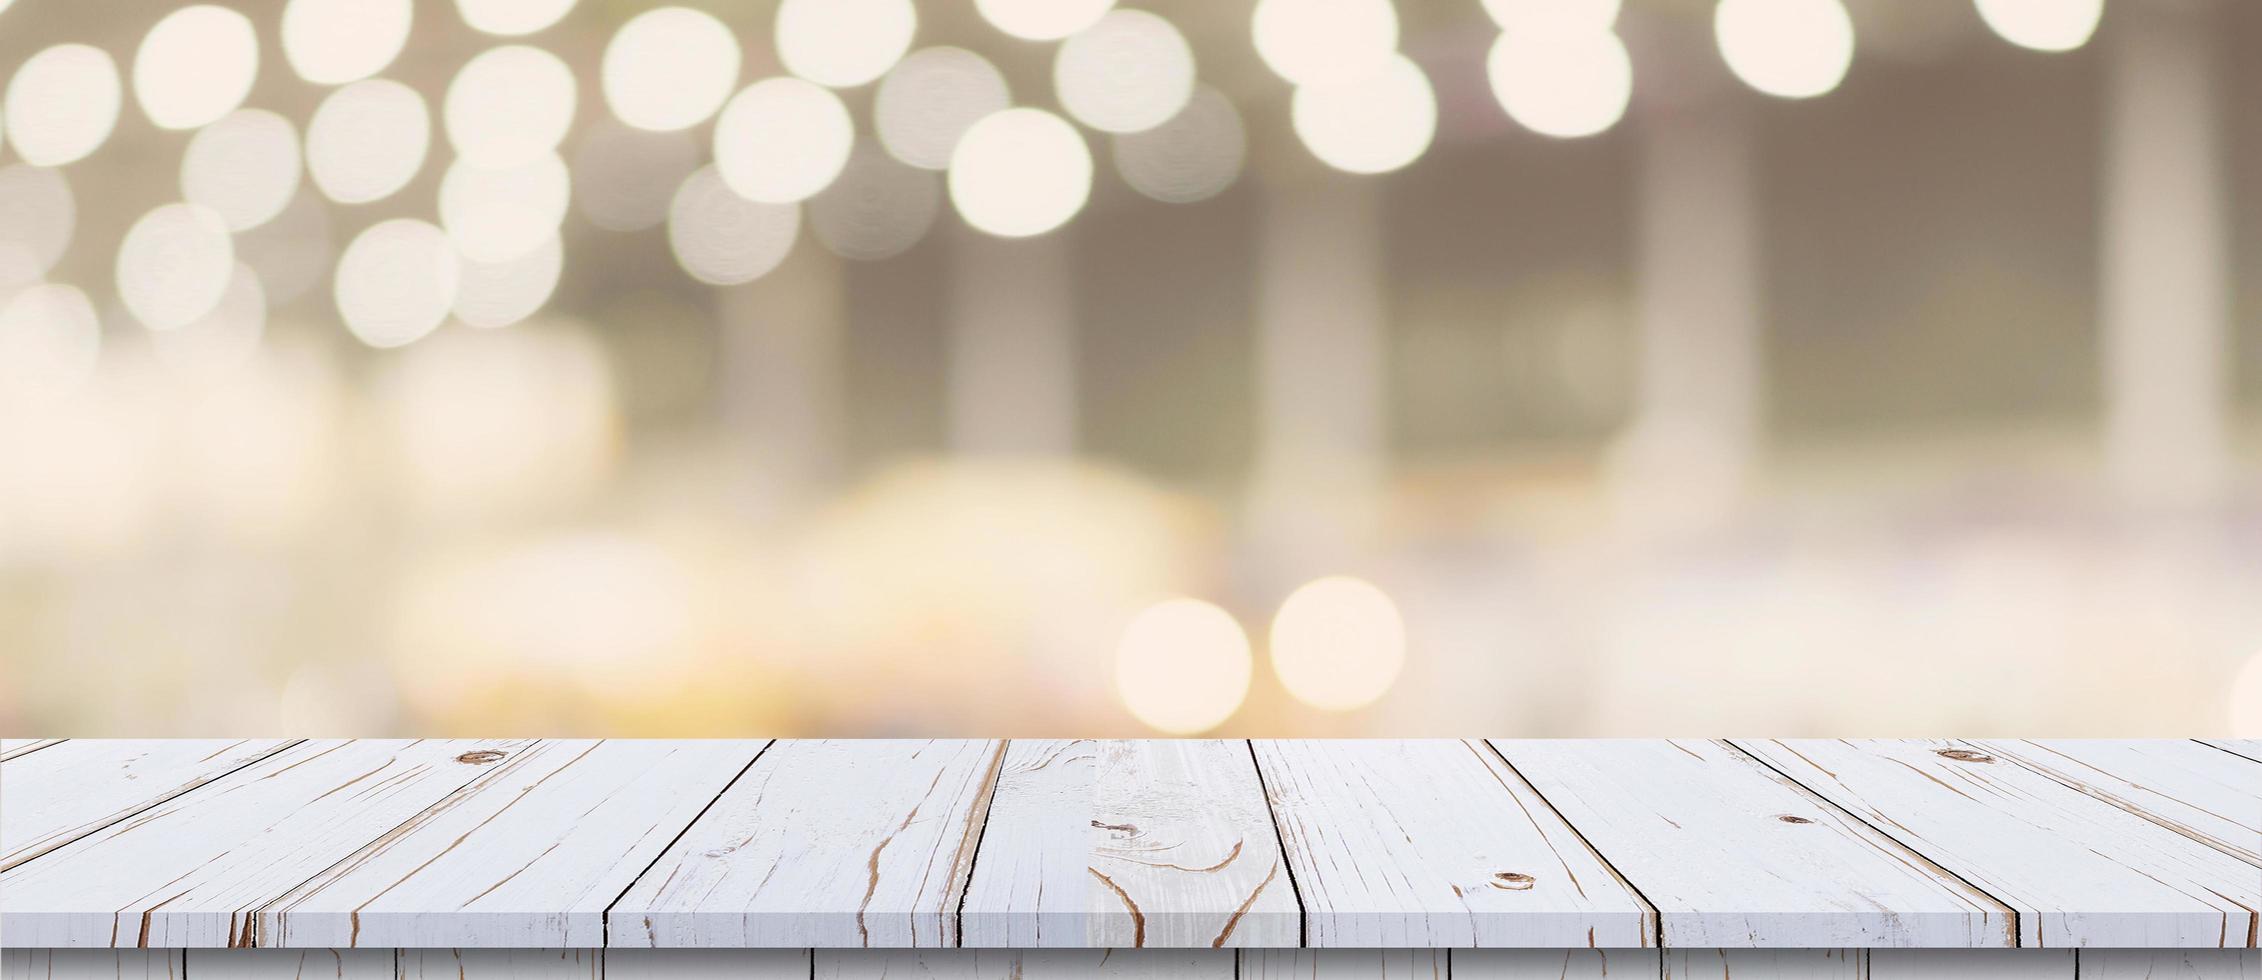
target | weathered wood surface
[
  {"x": 1346, "y": 964},
  {"x": 1129, "y": 844},
  {"x": 564, "y": 827},
  {"x": 189, "y": 871},
  {"x": 90, "y": 964},
  {"x": 823, "y": 843},
  {"x": 13, "y": 747},
  {"x": 1424, "y": 843},
  {"x": 72, "y": 789},
  {"x": 1732, "y": 854},
  {"x": 1014, "y": 964},
  {"x": 293, "y": 964},
  {"x": 2248, "y": 747},
  {"x": 2080, "y": 871},
  {"x": 1569, "y": 855}
]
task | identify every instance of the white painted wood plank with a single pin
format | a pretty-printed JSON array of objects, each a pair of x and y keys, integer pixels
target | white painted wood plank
[
  {"x": 1766, "y": 964},
  {"x": 2248, "y": 747},
  {"x": 823, "y": 843},
  {"x": 1344, "y": 964},
  {"x": 291, "y": 964},
  {"x": 1424, "y": 843},
  {"x": 2171, "y": 964},
  {"x": 1127, "y": 844},
  {"x": 1554, "y": 964},
  {"x": 2080, "y": 871},
  {"x": 528, "y": 855},
  {"x": 90, "y": 964},
  {"x": 188, "y": 872},
  {"x": 1971, "y": 964},
  {"x": 1733, "y": 855},
  {"x": 706, "y": 964},
  {"x": 13, "y": 747},
  {"x": 1033, "y": 964},
  {"x": 2196, "y": 790},
  {"x": 70, "y": 790},
  {"x": 502, "y": 964}
]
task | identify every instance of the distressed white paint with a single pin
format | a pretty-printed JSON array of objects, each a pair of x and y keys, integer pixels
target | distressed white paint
[
  {"x": 502, "y": 964},
  {"x": 2189, "y": 964},
  {"x": 1971, "y": 964},
  {"x": 293, "y": 964},
  {"x": 1426, "y": 843},
  {"x": 13, "y": 747},
  {"x": 706, "y": 964},
  {"x": 2248, "y": 747},
  {"x": 1344, "y": 964},
  {"x": 73, "y": 789},
  {"x": 1733, "y": 855},
  {"x": 2195, "y": 790},
  {"x": 187, "y": 872},
  {"x": 1033, "y": 964},
  {"x": 90, "y": 964},
  {"x": 2081, "y": 872},
  {"x": 1127, "y": 844},
  {"x": 823, "y": 843},
  {"x": 1553, "y": 964},
  {"x": 1766, "y": 964},
  {"x": 529, "y": 855}
]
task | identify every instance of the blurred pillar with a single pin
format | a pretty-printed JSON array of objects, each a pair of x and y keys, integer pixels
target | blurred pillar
[
  {"x": 2165, "y": 268},
  {"x": 784, "y": 389},
  {"x": 1012, "y": 348},
  {"x": 1686, "y": 458},
  {"x": 1321, "y": 365}
]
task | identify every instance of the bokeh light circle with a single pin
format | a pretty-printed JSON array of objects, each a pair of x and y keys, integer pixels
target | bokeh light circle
[
  {"x": 498, "y": 294},
  {"x": 195, "y": 65},
  {"x": 1554, "y": 16},
  {"x": 1338, "y": 643},
  {"x": 723, "y": 239},
  {"x": 511, "y": 18},
  {"x": 495, "y": 215},
  {"x": 332, "y": 42},
  {"x": 396, "y": 282},
  {"x": 245, "y": 167},
  {"x": 669, "y": 68},
  {"x": 1312, "y": 42},
  {"x": 509, "y": 105},
  {"x": 62, "y": 104},
  {"x": 1566, "y": 85},
  {"x": 1042, "y": 20},
  {"x": 50, "y": 340},
  {"x": 1795, "y": 49},
  {"x": 2043, "y": 25},
  {"x": 1020, "y": 172},
  {"x": 1373, "y": 125},
  {"x": 927, "y": 101},
  {"x": 781, "y": 140},
  {"x": 1129, "y": 72},
  {"x": 1193, "y": 156},
  {"x": 174, "y": 265},
  {"x": 367, "y": 140},
  {"x": 844, "y": 43},
  {"x": 1182, "y": 666}
]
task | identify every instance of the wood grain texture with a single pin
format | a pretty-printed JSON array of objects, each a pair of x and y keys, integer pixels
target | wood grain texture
[
  {"x": 1971, "y": 964},
  {"x": 2195, "y": 790},
  {"x": 1554, "y": 964},
  {"x": 823, "y": 843},
  {"x": 13, "y": 747},
  {"x": 1033, "y": 964},
  {"x": 1734, "y": 855},
  {"x": 528, "y": 855},
  {"x": 2249, "y": 747},
  {"x": 293, "y": 964},
  {"x": 2081, "y": 872},
  {"x": 1424, "y": 843},
  {"x": 502, "y": 964},
  {"x": 69, "y": 790},
  {"x": 1344, "y": 964},
  {"x": 707, "y": 964},
  {"x": 189, "y": 871},
  {"x": 1129, "y": 844},
  {"x": 1766, "y": 964},
  {"x": 90, "y": 964},
  {"x": 2191, "y": 964}
]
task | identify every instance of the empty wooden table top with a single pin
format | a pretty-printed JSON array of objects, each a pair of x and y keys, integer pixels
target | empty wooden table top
[{"x": 1026, "y": 844}]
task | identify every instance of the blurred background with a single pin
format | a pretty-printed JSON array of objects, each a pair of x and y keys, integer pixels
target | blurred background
[{"x": 1324, "y": 367}]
